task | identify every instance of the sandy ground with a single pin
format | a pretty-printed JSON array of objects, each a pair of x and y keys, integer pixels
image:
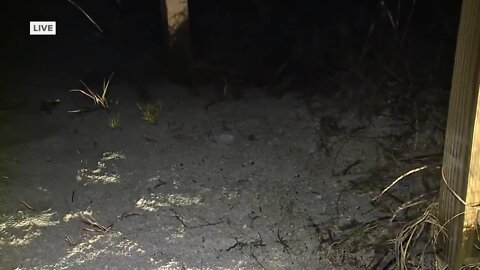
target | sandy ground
[{"x": 257, "y": 183}]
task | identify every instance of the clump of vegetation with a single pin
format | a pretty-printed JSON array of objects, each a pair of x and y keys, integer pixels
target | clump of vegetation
[
  {"x": 419, "y": 237},
  {"x": 100, "y": 101},
  {"x": 150, "y": 111},
  {"x": 114, "y": 121}
]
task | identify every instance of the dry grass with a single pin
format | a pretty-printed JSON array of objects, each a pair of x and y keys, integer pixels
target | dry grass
[
  {"x": 114, "y": 121},
  {"x": 150, "y": 111},
  {"x": 410, "y": 246},
  {"x": 423, "y": 234},
  {"x": 100, "y": 101},
  {"x": 420, "y": 234}
]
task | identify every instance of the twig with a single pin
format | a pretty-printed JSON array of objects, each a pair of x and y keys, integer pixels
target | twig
[
  {"x": 84, "y": 110},
  {"x": 237, "y": 243},
  {"x": 207, "y": 224},
  {"x": 89, "y": 220},
  {"x": 281, "y": 241},
  {"x": 355, "y": 163},
  {"x": 125, "y": 215},
  {"x": 86, "y": 15},
  {"x": 175, "y": 214},
  {"x": 398, "y": 179},
  {"x": 241, "y": 244},
  {"x": 179, "y": 218},
  {"x": 256, "y": 259},
  {"x": 26, "y": 205},
  {"x": 413, "y": 202}
]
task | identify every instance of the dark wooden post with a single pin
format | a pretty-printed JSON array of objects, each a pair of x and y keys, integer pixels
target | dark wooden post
[
  {"x": 461, "y": 162},
  {"x": 176, "y": 36}
]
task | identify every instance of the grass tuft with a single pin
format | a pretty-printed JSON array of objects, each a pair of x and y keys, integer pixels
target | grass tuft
[
  {"x": 114, "y": 121},
  {"x": 150, "y": 111},
  {"x": 99, "y": 100}
]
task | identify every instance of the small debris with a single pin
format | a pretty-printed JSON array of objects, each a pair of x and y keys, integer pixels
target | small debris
[{"x": 26, "y": 205}]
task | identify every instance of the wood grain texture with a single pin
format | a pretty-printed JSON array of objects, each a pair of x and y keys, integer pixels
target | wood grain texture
[{"x": 461, "y": 163}]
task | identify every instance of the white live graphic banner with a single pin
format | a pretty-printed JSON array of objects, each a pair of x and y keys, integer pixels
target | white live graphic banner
[{"x": 43, "y": 28}]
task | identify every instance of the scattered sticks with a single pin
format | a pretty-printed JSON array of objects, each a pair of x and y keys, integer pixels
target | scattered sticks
[
  {"x": 70, "y": 241},
  {"x": 89, "y": 220}
]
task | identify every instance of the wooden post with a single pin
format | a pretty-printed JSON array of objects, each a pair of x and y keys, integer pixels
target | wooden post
[
  {"x": 176, "y": 37},
  {"x": 461, "y": 161}
]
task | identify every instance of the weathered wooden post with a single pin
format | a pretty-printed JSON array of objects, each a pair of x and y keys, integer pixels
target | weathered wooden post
[
  {"x": 176, "y": 37},
  {"x": 461, "y": 162}
]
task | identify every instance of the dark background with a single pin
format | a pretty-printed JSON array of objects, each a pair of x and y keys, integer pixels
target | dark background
[{"x": 264, "y": 42}]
